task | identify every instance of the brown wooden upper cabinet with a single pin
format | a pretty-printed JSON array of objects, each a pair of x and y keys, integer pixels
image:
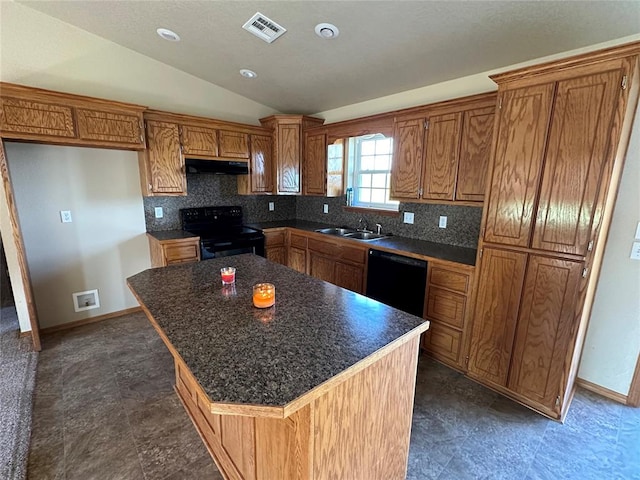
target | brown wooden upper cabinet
[
  {"x": 441, "y": 152},
  {"x": 288, "y": 149},
  {"x": 323, "y": 165},
  {"x": 162, "y": 164},
  {"x": 201, "y": 142},
  {"x": 551, "y": 150},
  {"x": 173, "y": 137},
  {"x": 58, "y": 118}
]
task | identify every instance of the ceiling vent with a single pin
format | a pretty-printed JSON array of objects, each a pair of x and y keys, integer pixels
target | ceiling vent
[{"x": 264, "y": 28}]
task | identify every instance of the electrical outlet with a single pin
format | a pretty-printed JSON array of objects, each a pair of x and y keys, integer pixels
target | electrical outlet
[
  {"x": 325, "y": 208},
  {"x": 158, "y": 211},
  {"x": 272, "y": 206},
  {"x": 635, "y": 251},
  {"x": 443, "y": 222},
  {"x": 65, "y": 216},
  {"x": 408, "y": 217}
]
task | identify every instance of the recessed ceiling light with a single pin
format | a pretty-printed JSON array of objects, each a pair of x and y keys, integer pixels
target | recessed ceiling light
[
  {"x": 327, "y": 31},
  {"x": 168, "y": 34},
  {"x": 246, "y": 73}
]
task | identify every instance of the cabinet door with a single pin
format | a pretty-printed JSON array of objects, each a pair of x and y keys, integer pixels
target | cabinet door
[
  {"x": 577, "y": 152},
  {"x": 349, "y": 276},
  {"x": 315, "y": 164},
  {"x": 522, "y": 131},
  {"x": 199, "y": 141},
  {"x": 165, "y": 162},
  {"x": 277, "y": 254},
  {"x": 297, "y": 259},
  {"x": 441, "y": 157},
  {"x": 118, "y": 128},
  {"x": 546, "y": 329},
  {"x": 38, "y": 118},
  {"x": 321, "y": 267},
  {"x": 233, "y": 144},
  {"x": 289, "y": 158},
  {"x": 261, "y": 164},
  {"x": 237, "y": 439},
  {"x": 496, "y": 314},
  {"x": 408, "y": 137},
  {"x": 475, "y": 149}
]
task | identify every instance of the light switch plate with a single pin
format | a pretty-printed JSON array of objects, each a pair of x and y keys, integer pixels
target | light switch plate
[
  {"x": 272, "y": 206},
  {"x": 65, "y": 216},
  {"x": 637, "y": 237},
  {"x": 635, "y": 251},
  {"x": 325, "y": 208},
  {"x": 408, "y": 217},
  {"x": 443, "y": 222},
  {"x": 158, "y": 212}
]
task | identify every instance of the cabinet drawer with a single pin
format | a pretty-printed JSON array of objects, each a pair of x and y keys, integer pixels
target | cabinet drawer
[
  {"x": 23, "y": 116},
  {"x": 325, "y": 248},
  {"x": 353, "y": 254},
  {"x": 181, "y": 253},
  {"x": 450, "y": 279},
  {"x": 445, "y": 306},
  {"x": 273, "y": 239},
  {"x": 298, "y": 241},
  {"x": 443, "y": 341}
]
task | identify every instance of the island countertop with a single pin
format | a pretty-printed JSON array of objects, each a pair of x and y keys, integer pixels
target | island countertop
[{"x": 242, "y": 355}]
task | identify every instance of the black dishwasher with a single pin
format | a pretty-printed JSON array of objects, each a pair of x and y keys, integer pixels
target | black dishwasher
[{"x": 397, "y": 281}]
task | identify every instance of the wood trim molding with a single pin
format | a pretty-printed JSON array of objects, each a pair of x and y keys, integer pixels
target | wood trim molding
[
  {"x": 556, "y": 66},
  {"x": 633, "y": 398},
  {"x": 16, "y": 234},
  {"x": 87, "y": 321},
  {"x": 600, "y": 390}
]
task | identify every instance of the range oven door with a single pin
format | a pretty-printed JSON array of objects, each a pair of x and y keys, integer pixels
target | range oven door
[{"x": 212, "y": 249}]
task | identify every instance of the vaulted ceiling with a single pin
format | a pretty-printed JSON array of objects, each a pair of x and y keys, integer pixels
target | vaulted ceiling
[{"x": 384, "y": 47}]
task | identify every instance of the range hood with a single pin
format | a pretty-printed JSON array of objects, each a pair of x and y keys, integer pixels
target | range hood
[{"x": 222, "y": 167}]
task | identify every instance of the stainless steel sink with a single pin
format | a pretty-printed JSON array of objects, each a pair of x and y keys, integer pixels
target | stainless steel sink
[
  {"x": 337, "y": 231},
  {"x": 367, "y": 236}
]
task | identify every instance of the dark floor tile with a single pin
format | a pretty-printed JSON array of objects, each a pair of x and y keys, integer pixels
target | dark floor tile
[
  {"x": 170, "y": 451},
  {"x": 149, "y": 420},
  {"x": 107, "y": 453},
  {"x": 421, "y": 465},
  {"x": 46, "y": 461},
  {"x": 93, "y": 415},
  {"x": 201, "y": 469},
  {"x": 47, "y": 423}
]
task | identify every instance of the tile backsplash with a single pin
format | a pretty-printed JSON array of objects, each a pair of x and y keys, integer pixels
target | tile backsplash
[
  {"x": 463, "y": 223},
  {"x": 209, "y": 189}
]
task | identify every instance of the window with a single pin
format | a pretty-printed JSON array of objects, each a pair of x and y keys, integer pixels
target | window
[{"x": 369, "y": 171}]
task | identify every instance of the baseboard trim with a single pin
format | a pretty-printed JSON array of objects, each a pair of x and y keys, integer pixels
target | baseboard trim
[
  {"x": 87, "y": 321},
  {"x": 25, "y": 334},
  {"x": 605, "y": 392}
]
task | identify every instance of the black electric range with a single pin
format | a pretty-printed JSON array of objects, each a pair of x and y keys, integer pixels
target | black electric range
[{"x": 221, "y": 231}]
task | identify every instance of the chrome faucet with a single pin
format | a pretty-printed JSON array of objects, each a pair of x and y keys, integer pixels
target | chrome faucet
[
  {"x": 378, "y": 229},
  {"x": 363, "y": 226}
]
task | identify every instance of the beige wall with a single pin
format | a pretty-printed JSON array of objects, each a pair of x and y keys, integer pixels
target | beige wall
[
  {"x": 40, "y": 51},
  {"x": 104, "y": 244},
  {"x": 612, "y": 345}
]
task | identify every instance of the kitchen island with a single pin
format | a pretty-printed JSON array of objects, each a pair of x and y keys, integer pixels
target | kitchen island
[{"x": 319, "y": 386}]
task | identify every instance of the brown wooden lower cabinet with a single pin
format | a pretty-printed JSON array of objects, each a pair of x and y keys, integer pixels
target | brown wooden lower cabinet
[
  {"x": 174, "y": 251},
  {"x": 525, "y": 326},
  {"x": 275, "y": 248},
  {"x": 357, "y": 429},
  {"x": 446, "y": 306}
]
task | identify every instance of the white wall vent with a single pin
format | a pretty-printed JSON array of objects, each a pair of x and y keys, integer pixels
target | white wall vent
[
  {"x": 264, "y": 28},
  {"x": 86, "y": 300}
]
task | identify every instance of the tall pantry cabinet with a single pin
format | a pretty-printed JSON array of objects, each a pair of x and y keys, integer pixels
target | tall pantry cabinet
[{"x": 560, "y": 139}]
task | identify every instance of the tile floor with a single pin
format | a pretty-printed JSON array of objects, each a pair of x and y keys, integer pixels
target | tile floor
[{"x": 104, "y": 408}]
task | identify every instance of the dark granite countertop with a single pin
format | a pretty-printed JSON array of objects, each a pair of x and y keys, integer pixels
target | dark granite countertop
[
  {"x": 466, "y": 256},
  {"x": 164, "y": 235},
  {"x": 268, "y": 357}
]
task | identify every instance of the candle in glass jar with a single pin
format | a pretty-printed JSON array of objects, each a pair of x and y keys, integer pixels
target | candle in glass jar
[
  {"x": 264, "y": 295},
  {"x": 228, "y": 275}
]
